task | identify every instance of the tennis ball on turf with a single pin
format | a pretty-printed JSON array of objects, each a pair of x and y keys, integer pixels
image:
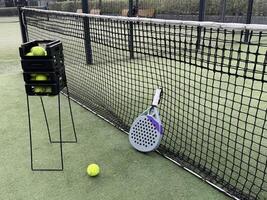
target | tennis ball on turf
[
  {"x": 39, "y": 89},
  {"x": 38, "y": 51},
  {"x": 93, "y": 170},
  {"x": 29, "y": 54},
  {"x": 41, "y": 77}
]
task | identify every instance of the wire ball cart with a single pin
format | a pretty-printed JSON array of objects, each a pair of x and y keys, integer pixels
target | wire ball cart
[{"x": 43, "y": 67}]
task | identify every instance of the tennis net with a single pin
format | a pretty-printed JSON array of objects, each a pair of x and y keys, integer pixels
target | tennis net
[{"x": 214, "y": 80}]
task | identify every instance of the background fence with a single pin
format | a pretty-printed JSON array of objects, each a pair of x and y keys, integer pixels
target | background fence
[{"x": 215, "y": 10}]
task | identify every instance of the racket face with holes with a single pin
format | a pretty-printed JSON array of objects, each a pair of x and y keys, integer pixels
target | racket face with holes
[{"x": 146, "y": 132}]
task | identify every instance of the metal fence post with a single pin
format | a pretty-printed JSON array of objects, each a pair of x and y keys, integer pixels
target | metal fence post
[
  {"x": 87, "y": 37},
  {"x": 137, "y": 5},
  {"x": 100, "y": 5},
  {"x": 223, "y": 6},
  {"x": 131, "y": 32},
  {"x": 249, "y": 16},
  {"x": 201, "y": 17}
]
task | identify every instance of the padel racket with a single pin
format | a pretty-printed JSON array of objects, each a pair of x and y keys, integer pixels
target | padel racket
[{"x": 146, "y": 131}]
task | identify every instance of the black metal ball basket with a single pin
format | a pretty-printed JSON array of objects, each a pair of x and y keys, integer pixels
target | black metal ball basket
[{"x": 44, "y": 75}]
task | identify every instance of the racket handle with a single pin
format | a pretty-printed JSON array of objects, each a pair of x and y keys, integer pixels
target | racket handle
[{"x": 157, "y": 96}]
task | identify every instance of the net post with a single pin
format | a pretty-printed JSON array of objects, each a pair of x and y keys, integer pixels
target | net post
[
  {"x": 201, "y": 17},
  {"x": 249, "y": 16},
  {"x": 87, "y": 38},
  {"x": 130, "y": 34},
  {"x": 23, "y": 29}
]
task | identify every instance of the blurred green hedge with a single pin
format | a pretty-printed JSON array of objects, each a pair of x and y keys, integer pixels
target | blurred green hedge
[{"x": 10, "y": 11}]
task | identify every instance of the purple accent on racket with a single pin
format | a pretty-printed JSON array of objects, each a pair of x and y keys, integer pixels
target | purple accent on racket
[{"x": 155, "y": 124}]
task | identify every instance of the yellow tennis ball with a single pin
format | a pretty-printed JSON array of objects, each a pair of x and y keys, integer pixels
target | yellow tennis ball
[
  {"x": 41, "y": 77},
  {"x": 38, "y": 51},
  {"x": 39, "y": 89},
  {"x": 29, "y": 54},
  {"x": 93, "y": 170}
]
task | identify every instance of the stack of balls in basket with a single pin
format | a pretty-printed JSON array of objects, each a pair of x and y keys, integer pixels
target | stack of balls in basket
[{"x": 38, "y": 51}]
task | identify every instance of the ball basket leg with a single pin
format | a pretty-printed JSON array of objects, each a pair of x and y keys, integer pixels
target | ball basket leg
[{"x": 33, "y": 168}]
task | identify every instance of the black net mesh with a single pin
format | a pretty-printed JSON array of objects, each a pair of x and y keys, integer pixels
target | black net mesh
[{"x": 214, "y": 107}]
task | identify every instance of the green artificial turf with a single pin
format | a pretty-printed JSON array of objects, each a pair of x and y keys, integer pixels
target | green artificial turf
[
  {"x": 125, "y": 173},
  {"x": 9, "y": 42}
]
